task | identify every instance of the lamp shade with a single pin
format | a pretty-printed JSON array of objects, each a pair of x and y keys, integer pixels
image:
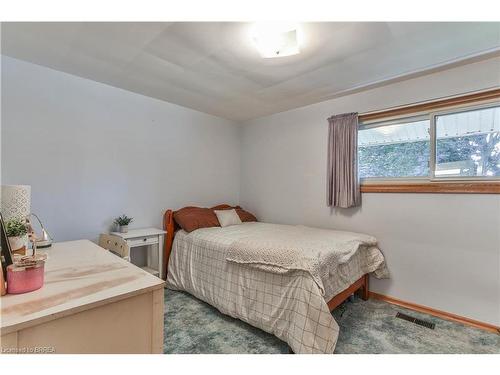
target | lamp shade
[{"x": 16, "y": 201}]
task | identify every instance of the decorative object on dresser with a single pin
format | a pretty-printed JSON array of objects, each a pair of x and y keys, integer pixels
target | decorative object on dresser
[
  {"x": 2, "y": 283},
  {"x": 43, "y": 240},
  {"x": 122, "y": 222},
  {"x": 17, "y": 235},
  {"x": 16, "y": 204},
  {"x": 26, "y": 274},
  {"x": 151, "y": 238},
  {"x": 23, "y": 273},
  {"x": 16, "y": 201},
  {"x": 5, "y": 250}
]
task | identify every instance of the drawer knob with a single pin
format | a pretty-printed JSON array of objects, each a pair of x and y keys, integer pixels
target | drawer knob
[{"x": 145, "y": 239}]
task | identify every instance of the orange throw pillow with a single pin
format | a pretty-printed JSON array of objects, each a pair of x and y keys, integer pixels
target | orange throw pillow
[
  {"x": 192, "y": 218},
  {"x": 245, "y": 216}
]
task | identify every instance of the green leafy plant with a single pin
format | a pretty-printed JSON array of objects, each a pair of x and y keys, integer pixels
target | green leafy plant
[
  {"x": 15, "y": 228},
  {"x": 123, "y": 220}
]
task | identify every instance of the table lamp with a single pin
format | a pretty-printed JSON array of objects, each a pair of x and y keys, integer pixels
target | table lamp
[{"x": 15, "y": 202}]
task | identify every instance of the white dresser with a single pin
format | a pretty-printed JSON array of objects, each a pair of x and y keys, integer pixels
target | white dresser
[{"x": 92, "y": 302}]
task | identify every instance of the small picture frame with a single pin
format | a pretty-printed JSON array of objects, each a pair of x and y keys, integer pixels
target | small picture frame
[{"x": 5, "y": 250}]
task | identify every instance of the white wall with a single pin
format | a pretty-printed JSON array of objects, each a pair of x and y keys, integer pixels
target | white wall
[
  {"x": 443, "y": 250},
  {"x": 92, "y": 152}
]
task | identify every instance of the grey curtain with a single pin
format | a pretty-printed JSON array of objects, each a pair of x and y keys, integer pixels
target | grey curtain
[{"x": 343, "y": 185}]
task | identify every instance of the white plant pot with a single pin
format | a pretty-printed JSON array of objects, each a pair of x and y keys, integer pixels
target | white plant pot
[
  {"x": 123, "y": 228},
  {"x": 17, "y": 243}
]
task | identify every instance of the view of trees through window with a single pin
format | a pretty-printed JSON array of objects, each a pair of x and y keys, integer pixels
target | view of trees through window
[
  {"x": 475, "y": 155},
  {"x": 406, "y": 159},
  {"x": 467, "y": 145},
  {"x": 395, "y": 150}
]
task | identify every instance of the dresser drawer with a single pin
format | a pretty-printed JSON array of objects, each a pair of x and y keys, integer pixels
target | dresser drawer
[{"x": 142, "y": 241}]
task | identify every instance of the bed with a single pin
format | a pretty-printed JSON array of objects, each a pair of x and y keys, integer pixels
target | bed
[{"x": 291, "y": 304}]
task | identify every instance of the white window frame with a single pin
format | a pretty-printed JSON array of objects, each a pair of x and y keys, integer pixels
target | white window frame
[{"x": 431, "y": 116}]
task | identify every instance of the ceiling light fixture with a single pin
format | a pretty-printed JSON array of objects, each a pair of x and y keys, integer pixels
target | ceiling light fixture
[{"x": 276, "y": 39}]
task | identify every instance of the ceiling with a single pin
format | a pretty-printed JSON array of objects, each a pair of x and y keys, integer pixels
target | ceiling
[{"x": 215, "y": 68}]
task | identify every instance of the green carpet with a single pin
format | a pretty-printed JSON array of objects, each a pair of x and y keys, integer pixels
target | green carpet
[{"x": 192, "y": 326}]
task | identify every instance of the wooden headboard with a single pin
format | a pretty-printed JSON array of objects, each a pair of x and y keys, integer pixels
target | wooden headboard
[{"x": 169, "y": 227}]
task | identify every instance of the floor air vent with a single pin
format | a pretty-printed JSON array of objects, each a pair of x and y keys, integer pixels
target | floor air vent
[{"x": 420, "y": 322}]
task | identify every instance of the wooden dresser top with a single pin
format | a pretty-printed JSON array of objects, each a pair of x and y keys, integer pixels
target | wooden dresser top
[{"x": 79, "y": 275}]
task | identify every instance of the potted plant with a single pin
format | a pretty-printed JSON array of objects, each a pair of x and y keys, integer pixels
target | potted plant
[
  {"x": 16, "y": 232},
  {"x": 123, "y": 222}
]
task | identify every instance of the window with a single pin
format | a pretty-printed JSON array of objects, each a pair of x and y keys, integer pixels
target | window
[
  {"x": 468, "y": 143},
  {"x": 394, "y": 150},
  {"x": 456, "y": 144}
]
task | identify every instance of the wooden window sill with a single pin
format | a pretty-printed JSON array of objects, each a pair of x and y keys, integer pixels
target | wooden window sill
[{"x": 433, "y": 187}]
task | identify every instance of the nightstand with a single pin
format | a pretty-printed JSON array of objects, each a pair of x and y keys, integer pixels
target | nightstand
[{"x": 152, "y": 238}]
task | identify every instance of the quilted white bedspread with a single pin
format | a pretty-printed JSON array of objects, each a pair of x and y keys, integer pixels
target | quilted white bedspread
[
  {"x": 290, "y": 305},
  {"x": 287, "y": 248}
]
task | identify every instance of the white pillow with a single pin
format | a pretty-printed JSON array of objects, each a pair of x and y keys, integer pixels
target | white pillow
[{"x": 227, "y": 217}]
